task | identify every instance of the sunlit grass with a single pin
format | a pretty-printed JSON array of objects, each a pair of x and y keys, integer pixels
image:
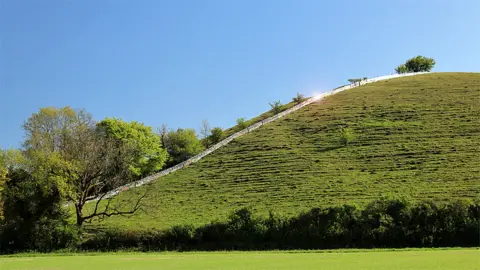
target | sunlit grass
[
  {"x": 412, "y": 259},
  {"x": 417, "y": 137}
]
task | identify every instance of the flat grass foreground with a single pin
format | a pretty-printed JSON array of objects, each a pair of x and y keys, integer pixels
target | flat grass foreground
[{"x": 378, "y": 259}]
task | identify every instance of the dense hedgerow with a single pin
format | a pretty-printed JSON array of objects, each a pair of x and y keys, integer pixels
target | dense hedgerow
[{"x": 382, "y": 224}]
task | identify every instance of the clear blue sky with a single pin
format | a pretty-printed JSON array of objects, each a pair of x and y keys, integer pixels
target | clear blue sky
[{"x": 178, "y": 62}]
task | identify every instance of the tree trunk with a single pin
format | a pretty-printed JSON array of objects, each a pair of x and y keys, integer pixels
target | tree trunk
[{"x": 78, "y": 210}]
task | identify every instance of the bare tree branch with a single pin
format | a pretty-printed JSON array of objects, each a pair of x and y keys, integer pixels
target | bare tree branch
[{"x": 108, "y": 211}]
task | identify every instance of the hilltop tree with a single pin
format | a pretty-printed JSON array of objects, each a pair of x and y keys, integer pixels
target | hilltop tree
[
  {"x": 417, "y": 64},
  {"x": 182, "y": 145},
  {"x": 66, "y": 147},
  {"x": 420, "y": 64},
  {"x": 276, "y": 106},
  {"x": 355, "y": 80}
]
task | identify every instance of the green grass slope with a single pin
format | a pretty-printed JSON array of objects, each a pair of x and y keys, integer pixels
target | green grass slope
[{"x": 415, "y": 136}]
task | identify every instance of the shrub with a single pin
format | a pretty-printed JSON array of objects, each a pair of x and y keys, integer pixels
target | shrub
[
  {"x": 241, "y": 123},
  {"x": 346, "y": 136},
  {"x": 276, "y": 107},
  {"x": 401, "y": 69},
  {"x": 299, "y": 98},
  {"x": 216, "y": 135}
]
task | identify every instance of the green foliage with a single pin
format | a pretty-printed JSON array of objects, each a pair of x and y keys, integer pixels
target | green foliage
[
  {"x": 216, "y": 135},
  {"x": 11, "y": 159},
  {"x": 148, "y": 155},
  {"x": 401, "y": 69},
  {"x": 417, "y": 64},
  {"x": 256, "y": 119},
  {"x": 381, "y": 224},
  {"x": 182, "y": 145},
  {"x": 299, "y": 98},
  {"x": 276, "y": 107},
  {"x": 52, "y": 129},
  {"x": 3, "y": 175},
  {"x": 355, "y": 80},
  {"x": 83, "y": 160},
  {"x": 54, "y": 169},
  {"x": 34, "y": 217},
  {"x": 241, "y": 123},
  {"x": 410, "y": 140},
  {"x": 346, "y": 136}
]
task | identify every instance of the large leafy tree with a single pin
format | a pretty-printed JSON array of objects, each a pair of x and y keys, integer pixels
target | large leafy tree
[
  {"x": 8, "y": 160},
  {"x": 84, "y": 159},
  {"x": 34, "y": 216},
  {"x": 148, "y": 155},
  {"x": 417, "y": 64},
  {"x": 182, "y": 145}
]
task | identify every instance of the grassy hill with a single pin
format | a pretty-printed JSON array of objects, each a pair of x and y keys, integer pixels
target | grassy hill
[{"x": 415, "y": 136}]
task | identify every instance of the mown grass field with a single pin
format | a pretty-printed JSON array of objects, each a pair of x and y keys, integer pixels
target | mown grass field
[
  {"x": 417, "y": 137},
  {"x": 412, "y": 259}
]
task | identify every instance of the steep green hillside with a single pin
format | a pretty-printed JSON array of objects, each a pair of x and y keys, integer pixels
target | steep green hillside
[{"x": 415, "y": 136}]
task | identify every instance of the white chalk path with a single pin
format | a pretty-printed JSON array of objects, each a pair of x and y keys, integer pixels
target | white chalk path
[{"x": 249, "y": 129}]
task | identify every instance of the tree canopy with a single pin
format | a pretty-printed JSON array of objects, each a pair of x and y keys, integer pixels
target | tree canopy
[
  {"x": 182, "y": 144},
  {"x": 147, "y": 156},
  {"x": 216, "y": 135},
  {"x": 35, "y": 218},
  {"x": 416, "y": 64},
  {"x": 83, "y": 160}
]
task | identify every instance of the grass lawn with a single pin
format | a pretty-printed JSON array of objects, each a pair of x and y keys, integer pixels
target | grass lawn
[
  {"x": 411, "y": 259},
  {"x": 417, "y": 137}
]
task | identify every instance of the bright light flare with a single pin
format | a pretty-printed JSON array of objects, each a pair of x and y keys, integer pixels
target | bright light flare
[{"x": 317, "y": 95}]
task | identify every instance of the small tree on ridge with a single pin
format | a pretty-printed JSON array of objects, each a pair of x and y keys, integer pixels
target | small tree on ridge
[
  {"x": 276, "y": 106},
  {"x": 299, "y": 98}
]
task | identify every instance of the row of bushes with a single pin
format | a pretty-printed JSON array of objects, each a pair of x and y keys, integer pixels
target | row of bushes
[{"x": 382, "y": 224}]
